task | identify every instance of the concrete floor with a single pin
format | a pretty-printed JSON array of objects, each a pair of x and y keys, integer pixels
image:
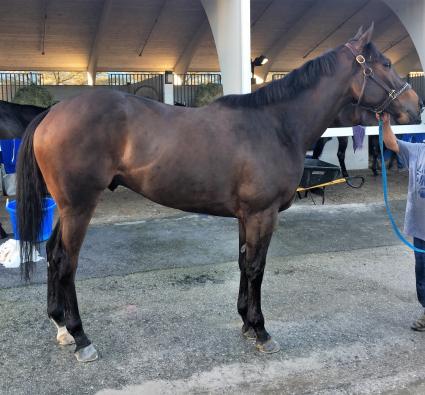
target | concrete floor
[{"x": 158, "y": 296}]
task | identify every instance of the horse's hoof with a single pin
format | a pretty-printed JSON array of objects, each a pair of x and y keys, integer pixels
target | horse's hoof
[
  {"x": 86, "y": 354},
  {"x": 249, "y": 333},
  {"x": 63, "y": 337},
  {"x": 269, "y": 347}
]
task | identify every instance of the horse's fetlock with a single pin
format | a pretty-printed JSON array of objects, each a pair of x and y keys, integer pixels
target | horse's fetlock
[
  {"x": 74, "y": 326},
  {"x": 255, "y": 319}
]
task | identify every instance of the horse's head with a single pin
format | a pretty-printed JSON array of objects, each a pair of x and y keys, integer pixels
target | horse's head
[{"x": 376, "y": 85}]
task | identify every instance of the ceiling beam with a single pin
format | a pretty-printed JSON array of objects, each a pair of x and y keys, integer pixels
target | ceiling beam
[
  {"x": 392, "y": 44},
  {"x": 145, "y": 41},
  {"x": 43, "y": 27},
  {"x": 408, "y": 63},
  {"x": 186, "y": 56},
  {"x": 94, "y": 52},
  {"x": 283, "y": 39},
  {"x": 261, "y": 14},
  {"x": 381, "y": 28},
  {"x": 335, "y": 29}
]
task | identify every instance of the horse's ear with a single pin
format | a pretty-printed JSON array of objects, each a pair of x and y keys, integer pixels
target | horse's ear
[
  {"x": 358, "y": 34},
  {"x": 364, "y": 38}
]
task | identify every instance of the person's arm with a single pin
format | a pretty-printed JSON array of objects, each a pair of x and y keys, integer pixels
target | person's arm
[
  {"x": 390, "y": 140},
  {"x": 405, "y": 151}
]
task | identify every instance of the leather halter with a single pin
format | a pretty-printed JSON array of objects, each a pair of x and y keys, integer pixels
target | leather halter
[{"x": 369, "y": 74}]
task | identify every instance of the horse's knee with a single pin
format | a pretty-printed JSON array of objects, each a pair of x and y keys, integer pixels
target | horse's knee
[{"x": 254, "y": 272}]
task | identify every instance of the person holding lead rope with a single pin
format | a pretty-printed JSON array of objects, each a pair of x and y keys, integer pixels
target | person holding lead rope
[{"x": 412, "y": 156}]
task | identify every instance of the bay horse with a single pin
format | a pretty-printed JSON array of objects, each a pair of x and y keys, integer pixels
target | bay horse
[{"x": 241, "y": 156}]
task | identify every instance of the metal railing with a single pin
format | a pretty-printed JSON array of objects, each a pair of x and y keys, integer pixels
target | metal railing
[
  {"x": 11, "y": 83},
  {"x": 418, "y": 84},
  {"x": 278, "y": 76},
  {"x": 149, "y": 85},
  {"x": 186, "y": 86}
]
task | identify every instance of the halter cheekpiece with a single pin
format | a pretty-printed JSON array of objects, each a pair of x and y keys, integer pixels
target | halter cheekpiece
[{"x": 369, "y": 74}]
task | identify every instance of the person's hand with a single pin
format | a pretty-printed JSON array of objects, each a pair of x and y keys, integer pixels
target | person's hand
[{"x": 384, "y": 116}]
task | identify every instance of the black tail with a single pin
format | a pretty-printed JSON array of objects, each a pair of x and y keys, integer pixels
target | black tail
[{"x": 30, "y": 191}]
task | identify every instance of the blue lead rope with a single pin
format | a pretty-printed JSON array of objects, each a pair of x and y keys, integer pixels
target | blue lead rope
[{"x": 385, "y": 190}]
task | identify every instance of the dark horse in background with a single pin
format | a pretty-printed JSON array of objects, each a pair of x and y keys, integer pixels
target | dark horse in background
[
  {"x": 14, "y": 119},
  {"x": 241, "y": 156},
  {"x": 352, "y": 115}
]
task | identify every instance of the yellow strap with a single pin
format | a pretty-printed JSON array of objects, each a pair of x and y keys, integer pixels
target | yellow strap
[{"x": 334, "y": 182}]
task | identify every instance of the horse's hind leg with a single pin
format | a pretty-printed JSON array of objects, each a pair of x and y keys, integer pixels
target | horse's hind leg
[
  {"x": 342, "y": 148},
  {"x": 259, "y": 229},
  {"x": 320, "y": 145},
  {"x": 374, "y": 142},
  {"x": 55, "y": 297},
  {"x": 64, "y": 248}
]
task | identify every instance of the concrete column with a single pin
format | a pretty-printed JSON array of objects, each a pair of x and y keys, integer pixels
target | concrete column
[
  {"x": 91, "y": 78},
  {"x": 412, "y": 14},
  {"x": 230, "y": 24},
  {"x": 168, "y": 88}
]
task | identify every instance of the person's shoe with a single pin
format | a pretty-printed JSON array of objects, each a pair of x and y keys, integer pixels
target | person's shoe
[{"x": 419, "y": 324}]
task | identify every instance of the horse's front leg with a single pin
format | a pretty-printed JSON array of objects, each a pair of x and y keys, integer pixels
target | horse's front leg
[
  {"x": 259, "y": 229},
  {"x": 247, "y": 330}
]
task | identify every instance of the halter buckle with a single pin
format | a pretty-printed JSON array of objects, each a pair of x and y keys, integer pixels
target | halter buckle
[
  {"x": 360, "y": 59},
  {"x": 392, "y": 94},
  {"x": 367, "y": 71}
]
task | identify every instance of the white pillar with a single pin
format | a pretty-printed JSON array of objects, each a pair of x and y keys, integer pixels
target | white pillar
[
  {"x": 412, "y": 14},
  {"x": 169, "y": 88},
  {"x": 230, "y": 25},
  {"x": 91, "y": 78}
]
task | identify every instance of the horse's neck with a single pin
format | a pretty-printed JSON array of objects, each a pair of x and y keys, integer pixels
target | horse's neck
[{"x": 315, "y": 109}]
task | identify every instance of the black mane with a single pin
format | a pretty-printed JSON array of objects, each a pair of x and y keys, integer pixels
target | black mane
[{"x": 305, "y": 77}]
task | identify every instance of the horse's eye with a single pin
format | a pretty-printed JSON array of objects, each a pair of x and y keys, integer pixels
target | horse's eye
[{"x": 388, "y": 65}]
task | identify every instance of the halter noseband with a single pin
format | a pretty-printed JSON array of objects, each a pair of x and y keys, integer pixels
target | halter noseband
[{"x": 368, "y": 73}]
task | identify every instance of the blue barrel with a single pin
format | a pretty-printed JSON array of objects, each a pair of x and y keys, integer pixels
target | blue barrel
[{"x": 49, "y": 206}]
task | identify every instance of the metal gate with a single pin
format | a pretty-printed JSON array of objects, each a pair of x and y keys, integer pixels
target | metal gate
[
  {"x": 187, "y": 85},
  {"x": 11, "y": 82},
  {"x": 278, "y": 76},
  {"x": 149, "y": 85},
  {"x": 417, "y": 81}
]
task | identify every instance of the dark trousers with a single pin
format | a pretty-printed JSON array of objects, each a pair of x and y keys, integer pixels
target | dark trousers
[{"x": 420, "y": 270}]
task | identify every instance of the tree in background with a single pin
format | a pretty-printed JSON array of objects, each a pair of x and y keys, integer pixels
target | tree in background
[
  {"x": 207, "y": 93},
  {"x": 72, "y": 78},
  {"x": 34, "y": 95}
]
